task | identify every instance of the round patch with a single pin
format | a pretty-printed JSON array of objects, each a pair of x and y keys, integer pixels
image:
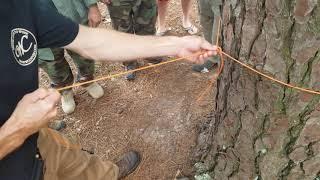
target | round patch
[{"x": 24, "y": 46}]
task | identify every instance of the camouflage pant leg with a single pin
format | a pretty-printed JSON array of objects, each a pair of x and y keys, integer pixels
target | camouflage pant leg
[
  {"x": 58, "y": 70},
  {"x": 134, "y": 17},
  {"x": 209, "y": 11},
  {"x": 145, "y": 17},
  {"x": 84, "y": 66},
  {"x": 121, "y": 17}
]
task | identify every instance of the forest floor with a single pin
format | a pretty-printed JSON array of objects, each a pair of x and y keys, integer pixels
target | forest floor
[{"x": 157, "y": 114}]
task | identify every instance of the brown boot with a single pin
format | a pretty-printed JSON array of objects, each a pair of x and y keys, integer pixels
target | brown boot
[{"x": 128, "y": 163}]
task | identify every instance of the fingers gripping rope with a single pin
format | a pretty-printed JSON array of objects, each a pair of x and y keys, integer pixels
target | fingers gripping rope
[{"x": 215, "y": 76}]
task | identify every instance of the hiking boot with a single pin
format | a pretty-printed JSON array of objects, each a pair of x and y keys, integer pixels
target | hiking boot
[
  {"x": 67, "y": 102},
  {"x": 128, "y": 163},
  {"x": 205, "y": 67},
  {"x": 57, "y": 125},
  {"x": 95, "y": 90},
  {"x": 130, "y": 76}
]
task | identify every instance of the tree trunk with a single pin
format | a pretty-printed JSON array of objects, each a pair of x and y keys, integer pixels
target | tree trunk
[{"x": 259, "y": 129}]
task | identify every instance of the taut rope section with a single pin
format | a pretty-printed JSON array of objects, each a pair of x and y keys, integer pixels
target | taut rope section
[
  {"x": 310, "y": 91},
  {"x": 128, "y": 72},
  {"x": 220, "y": 53}
]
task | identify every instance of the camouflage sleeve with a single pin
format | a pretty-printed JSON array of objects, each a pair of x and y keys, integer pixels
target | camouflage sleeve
[{"x": 89, "y": 3}]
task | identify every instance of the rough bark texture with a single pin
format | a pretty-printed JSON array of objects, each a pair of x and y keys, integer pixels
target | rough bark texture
[{"x": 259, "y": 129}]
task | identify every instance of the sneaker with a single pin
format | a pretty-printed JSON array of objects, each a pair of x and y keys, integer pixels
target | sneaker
[
  {"x": 205, "y": 67},
  {"x": 57, "y": 125},
  {"x": 95, "y": 90},
  {"x": 128, "y": 163},
  {"x": 130, "y": 76},
  {"x": 67, "y": 102}
]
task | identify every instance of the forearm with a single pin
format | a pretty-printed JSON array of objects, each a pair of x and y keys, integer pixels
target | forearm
[
  {"x": 103, "y": 44},
  {"x": 11, "y": 137}
]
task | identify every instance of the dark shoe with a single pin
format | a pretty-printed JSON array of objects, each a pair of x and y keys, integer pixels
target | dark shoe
[
  {"x": 130, "y": 76},
  {"x": 128, "y": 163},
  {"x": 182, "y": 178},
  {"x": 156, "y": 60},
  {"x": 205, "y": 67},
  {"x": 57, "y": 125}
]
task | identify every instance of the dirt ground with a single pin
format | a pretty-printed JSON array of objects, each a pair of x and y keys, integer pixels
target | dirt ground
[{"x": 157, "y": 114}]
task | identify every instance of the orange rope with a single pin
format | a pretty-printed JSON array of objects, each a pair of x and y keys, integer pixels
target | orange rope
[
  {"x": 221, "y": 54},
  {"x": 127, "y": 72},
  {"x": 271, "y": 78},
  {"x": 216, "y": 75}
]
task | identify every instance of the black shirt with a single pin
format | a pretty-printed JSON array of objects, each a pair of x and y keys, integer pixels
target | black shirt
[{"x": 25, "y": 26}]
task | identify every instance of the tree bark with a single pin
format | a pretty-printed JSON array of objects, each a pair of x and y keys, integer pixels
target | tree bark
[{"x": 259, "y": 129}]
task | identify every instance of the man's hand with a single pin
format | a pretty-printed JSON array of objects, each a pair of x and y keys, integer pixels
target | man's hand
[
  {"x": 31, "y": 114},
  {"x": 190, "y": 45},
  {"x": 106, "y": 1},
  {"x": 94, "y": 16},
  {"x": 35, "y": 110}
]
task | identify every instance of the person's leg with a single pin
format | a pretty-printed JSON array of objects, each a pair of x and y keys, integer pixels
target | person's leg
[
  {"x": 144, "y": 21},
  {"x": 186, "y": 21},
  {"x": 65, "y": 160},
  {"x": 121, "y": 18},
  {"x": 162, "y": 11},
  {"x": 186, "y": 7},
  {"x": 86, "y": 73},
  {"x": 60, "y": 74},
  {"x": 84, "y": 66},
  {"x": 58, "y": 69},
  {"x": 145, "y": 17}
]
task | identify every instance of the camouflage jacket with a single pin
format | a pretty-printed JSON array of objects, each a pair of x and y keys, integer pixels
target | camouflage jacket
[{"x": 76, "y": 10}]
